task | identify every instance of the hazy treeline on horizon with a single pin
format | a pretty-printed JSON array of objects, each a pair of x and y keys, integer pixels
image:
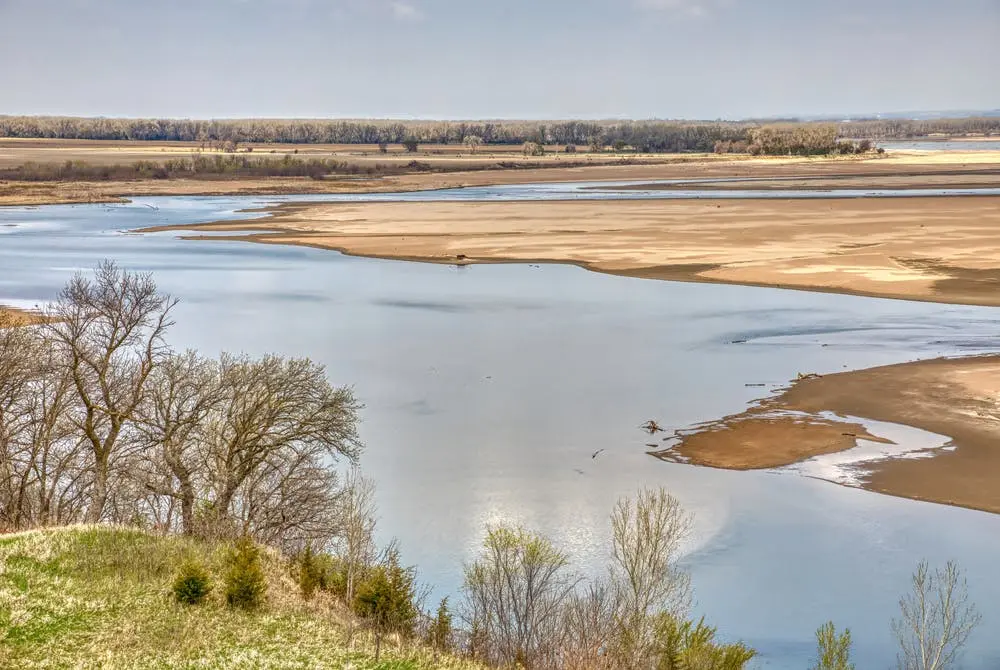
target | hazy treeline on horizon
[{"x": 652, "y": 135}]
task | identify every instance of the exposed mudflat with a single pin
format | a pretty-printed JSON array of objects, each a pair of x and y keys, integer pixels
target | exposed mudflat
[{"x": 958, "y": 398}]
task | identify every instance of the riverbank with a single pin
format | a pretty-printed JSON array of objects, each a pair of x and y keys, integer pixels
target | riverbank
[
  {"x": 958, "y": 398},
  {"x": 438, "y": 170}
]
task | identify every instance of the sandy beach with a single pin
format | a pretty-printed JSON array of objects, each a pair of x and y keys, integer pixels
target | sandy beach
[{"x": 934, "y": 249}]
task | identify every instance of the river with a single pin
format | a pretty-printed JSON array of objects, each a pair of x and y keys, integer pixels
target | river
[{"x": 489, "y": 388}]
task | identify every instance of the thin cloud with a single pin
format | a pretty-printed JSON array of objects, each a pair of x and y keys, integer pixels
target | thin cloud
[
  {"x": 404, "y": 11},
  {"x": 691, "y": 8}
]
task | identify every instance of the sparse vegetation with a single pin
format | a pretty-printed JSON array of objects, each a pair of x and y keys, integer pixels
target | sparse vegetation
[
  {"x": 220, "y": 167},
  {"x": 524, "y": 606}
]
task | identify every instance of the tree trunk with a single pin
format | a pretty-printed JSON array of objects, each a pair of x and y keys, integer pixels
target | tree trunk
[
  {"x": 100, "y": 497},
  {"x": 187, "y": 508}
]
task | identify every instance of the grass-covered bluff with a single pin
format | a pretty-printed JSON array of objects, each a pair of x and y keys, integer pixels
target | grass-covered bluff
[{"x": 100, "y": 597}]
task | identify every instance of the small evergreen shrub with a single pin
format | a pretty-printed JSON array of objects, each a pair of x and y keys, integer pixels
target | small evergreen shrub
[
  {"x": 246, "y": 585},
  {"x": 385, "y": 597},
  {"x": 440, "y": 631},
  {"x": 192, "y": 583},
  {"x": 311, "y": 575}
]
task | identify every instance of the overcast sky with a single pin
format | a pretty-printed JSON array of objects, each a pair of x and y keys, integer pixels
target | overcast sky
[{"x": 496, "y": 58}]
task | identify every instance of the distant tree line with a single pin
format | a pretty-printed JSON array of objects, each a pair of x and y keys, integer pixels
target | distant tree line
[
  {"x": 790, "y": 139},
  {"x": 903, "y": 129},
  {"x": 647, "y": 136},
  {"x": 650, "y": 135}
]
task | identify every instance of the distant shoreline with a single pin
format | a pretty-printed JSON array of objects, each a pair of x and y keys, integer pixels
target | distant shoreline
[{"x": 447, "y": 166}]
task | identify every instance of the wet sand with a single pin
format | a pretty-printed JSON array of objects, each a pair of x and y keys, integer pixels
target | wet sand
[{"x": 958, "y": 398}]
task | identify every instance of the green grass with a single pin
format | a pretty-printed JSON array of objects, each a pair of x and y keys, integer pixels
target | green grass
[{"x": 96, "y": 597}]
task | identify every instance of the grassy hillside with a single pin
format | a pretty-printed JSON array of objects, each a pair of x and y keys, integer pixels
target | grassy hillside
[{"x": 95, "y": 597}]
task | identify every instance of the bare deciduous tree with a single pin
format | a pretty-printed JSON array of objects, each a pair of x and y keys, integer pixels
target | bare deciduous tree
[
  {"x": 173, "y": 421},
  {"x": 110, "y": 331},
  {"x": 936, "y": 619},
  {"x": 99, "y": 420},
  {"x": 43, "y": 478},
  {"x": 279, "y": 419},
  {"x": 358, "y": 519},
  {"x": 647, "y": 533},
  {"x": 473, "y": 142},
  {"x": 589, "y": 623},
  {"x": 514, "y": 595}
]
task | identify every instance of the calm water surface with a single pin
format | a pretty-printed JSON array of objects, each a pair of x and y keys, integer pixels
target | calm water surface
[
  {"x": 489, "y": 387},
  {"x": 940, "y": 145}
]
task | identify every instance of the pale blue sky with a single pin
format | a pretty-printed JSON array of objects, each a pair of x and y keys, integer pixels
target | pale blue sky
[{"x": 496, "y": 58}]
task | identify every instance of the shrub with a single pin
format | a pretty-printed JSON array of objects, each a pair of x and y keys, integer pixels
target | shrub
[
  {"x": 310, "y": 573},
  {"x": 533, "y": 149},
  {"x": 439, "y": 632},
  {"x": 570, "y": 149},
  {"x": 410, "y": 145},
  {"x": 192, "y": 583},
  {"x": 385, "y": 599},
  {"x": 513, "y": 594},
  {"x": 334, "y": 578},
  {"x": 833, "y": 651},
  {"x": 246, "y": 585},
  {"x": 684, "y": 644}
]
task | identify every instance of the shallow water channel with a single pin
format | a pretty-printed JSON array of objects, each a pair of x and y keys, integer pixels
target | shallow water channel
[{"x": 488, "y": 388}]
